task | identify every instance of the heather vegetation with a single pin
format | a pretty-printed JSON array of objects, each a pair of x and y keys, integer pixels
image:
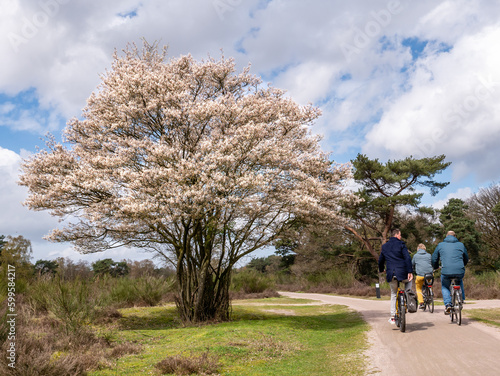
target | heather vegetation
[
  {"x": 79, "y": 320},
  {"x": 63, "y": 314}
]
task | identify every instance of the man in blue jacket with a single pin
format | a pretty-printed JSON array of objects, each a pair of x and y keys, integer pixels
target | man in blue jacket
[
  {"x": 453, "y": 257},
  {"x": 398, "y": 269}
]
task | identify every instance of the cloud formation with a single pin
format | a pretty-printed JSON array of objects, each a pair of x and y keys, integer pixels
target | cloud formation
[{"x": 450, "y": 107}]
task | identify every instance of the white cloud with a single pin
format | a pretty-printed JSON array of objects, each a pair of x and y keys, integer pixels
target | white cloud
[
  {"x": 19, "y": 220},
  {"x": 6, "y": 108},
  {"x": 451, "y": 108},
  {"x": 450, "y": 20},
  {"x": 60, "y": 47},
  {"x": 8, "y": 161},
  {"x": 51, "y": 251},
  {"x": 461, "y": 193},
  {"x": 308, "y": 82}
]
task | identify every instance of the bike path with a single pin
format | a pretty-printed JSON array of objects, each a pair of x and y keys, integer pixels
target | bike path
[{"x": 431, "y": 345}]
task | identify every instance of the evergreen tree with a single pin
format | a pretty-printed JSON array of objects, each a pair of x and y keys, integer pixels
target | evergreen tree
[
  {"x": 419, "y": 226},
  {"x": 386, "y": 187},
  {"x": 46, "y": 267},
  {"x": 110, "y": 267},
  {"x": 453, "y": 217}
]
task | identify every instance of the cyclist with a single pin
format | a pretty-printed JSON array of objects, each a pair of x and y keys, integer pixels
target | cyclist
[
  {"x": 422, "y": 265},
  {"x": 398, "y": 269},
  {"x": 454, "y": 258}
]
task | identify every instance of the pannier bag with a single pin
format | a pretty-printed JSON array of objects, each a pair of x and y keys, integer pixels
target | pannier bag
[{"x": 412, "y": 301}]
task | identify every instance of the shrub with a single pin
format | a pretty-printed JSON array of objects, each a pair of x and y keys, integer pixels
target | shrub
[
  {"x": 125, "y": 348},
  {"x": 145, "y": 290},
  {"x": 37, "y": 294},
  {"x": 74, "y": 303},
  {"x": 152, "y": 289},
  {"x": 251, "y": 281},
  {"x": 57, "y": 346},
  {"x": 121, "y": 292},
  {"x": 482, "y": 286},
  {"x": 336, "y": 278}
]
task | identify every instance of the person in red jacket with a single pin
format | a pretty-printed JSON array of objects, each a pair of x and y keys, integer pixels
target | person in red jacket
[{"x": 397, "y": 261}]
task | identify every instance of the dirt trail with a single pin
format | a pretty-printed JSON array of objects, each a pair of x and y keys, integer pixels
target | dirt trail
[{"x": 431, "y": 345}]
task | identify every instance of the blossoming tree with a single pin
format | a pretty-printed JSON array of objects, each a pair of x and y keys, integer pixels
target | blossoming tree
[{"x": 187, "y": 159}]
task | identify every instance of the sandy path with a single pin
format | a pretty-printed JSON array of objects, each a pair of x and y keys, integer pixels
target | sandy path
[{"x": 431, "y": 345}]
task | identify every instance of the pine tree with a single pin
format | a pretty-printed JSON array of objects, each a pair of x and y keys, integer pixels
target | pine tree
[
  {"x": 453, "y": 217},
  {"x": 386, "y": 187}
]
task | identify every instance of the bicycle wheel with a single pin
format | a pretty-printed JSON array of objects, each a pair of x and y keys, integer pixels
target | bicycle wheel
[
  {"x": 402, "y": 312},
  {"x": 398, "y": 309},
  {"x": 424, "y": 296},
  {"x": 431, "y": 300},
  {"x": 453, "y": 314},
  {"x": 458, "y": 307}
]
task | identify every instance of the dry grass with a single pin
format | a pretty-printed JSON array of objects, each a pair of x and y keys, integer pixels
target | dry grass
[
  {"x": 125, "y": 348},
  {"x": 107, "y": 315},
  {"x": 358, "y": 289},
  {"x": 240, "y": 295},
  {"x": 43, "y": 347},
  {"x": 204, "y": 364},
  {"x": 41, "y": 350},
  {"x": 267, "y": 346}
]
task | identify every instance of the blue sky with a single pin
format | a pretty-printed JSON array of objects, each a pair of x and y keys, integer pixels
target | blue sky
[{"x": 392, "y": 78}]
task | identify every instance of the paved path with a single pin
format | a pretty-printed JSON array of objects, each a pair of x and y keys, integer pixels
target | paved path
[{"x": 431, "y": 345}]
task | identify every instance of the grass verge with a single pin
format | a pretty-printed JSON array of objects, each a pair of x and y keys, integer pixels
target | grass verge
[
  {"x": 272, "y": 336},
  {"x": 489, "y": 316}
]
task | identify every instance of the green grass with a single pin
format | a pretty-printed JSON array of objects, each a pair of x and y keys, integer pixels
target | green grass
[
  {"x": 488, "y": 316},
  {"x": 273, "y": 336}
]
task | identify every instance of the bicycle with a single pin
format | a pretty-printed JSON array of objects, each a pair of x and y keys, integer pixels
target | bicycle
[
  {"x": 456, "y": 301},
  {"x": 401, "y": 309},
  {"x": 427, "y": 292}
]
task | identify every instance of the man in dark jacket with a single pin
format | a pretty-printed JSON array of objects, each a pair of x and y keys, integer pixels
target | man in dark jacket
[
  {"x": 398, "y": 266},
  {"x": 453, "y": 257}
]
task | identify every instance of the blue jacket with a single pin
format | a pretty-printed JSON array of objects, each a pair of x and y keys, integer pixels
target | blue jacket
[
  {"x": 398, "y": 260},
  {"x": 421, "y": 262},
  {"x": 453, "y": 256}
]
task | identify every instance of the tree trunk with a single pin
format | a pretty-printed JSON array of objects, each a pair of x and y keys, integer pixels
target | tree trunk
[
  {"x": 364, "y": 241},
  {"x": 203, "y": 295}
]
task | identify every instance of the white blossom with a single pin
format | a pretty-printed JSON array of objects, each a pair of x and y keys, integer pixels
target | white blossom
[{"x": 166, "y": 144}]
